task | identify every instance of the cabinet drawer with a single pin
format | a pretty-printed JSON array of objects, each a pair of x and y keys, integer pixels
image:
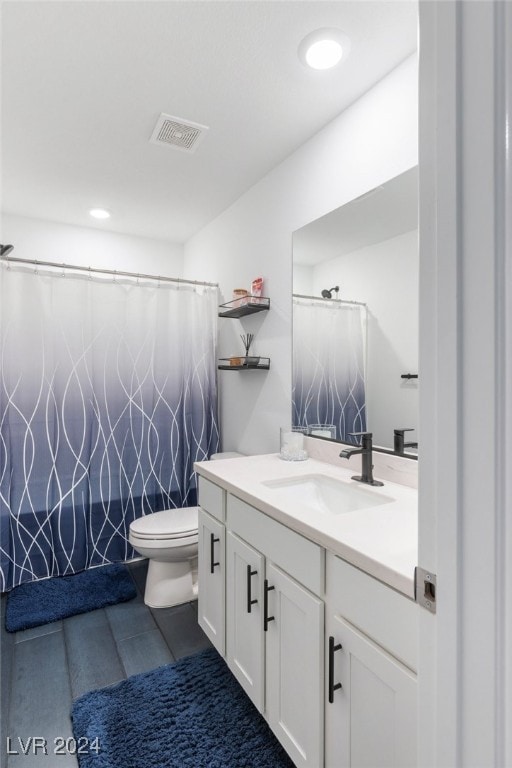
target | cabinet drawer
[
  {"x": 212, "y": 498},
  {"x": 299, "y": 557},
  {"x": 387, "y": 617}
]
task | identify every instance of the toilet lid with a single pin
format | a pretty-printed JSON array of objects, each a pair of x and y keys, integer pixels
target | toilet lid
[{"x": 169, "y": 523}]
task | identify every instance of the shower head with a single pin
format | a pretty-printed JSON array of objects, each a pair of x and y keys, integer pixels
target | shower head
[
  {"x": 327, "y": 294},
  {"x": 5, "y": 249}
]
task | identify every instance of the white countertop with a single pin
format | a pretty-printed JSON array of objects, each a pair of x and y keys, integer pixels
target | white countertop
[{"x": 382, "y": 540}]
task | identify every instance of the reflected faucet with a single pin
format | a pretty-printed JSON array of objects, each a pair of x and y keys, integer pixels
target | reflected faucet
[
  {"x": 366, "y": 451},
  {"x": 399, "y": 444}
]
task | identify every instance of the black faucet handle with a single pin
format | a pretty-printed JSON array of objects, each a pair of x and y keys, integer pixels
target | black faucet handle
[
  {"x": 399, "y": 443},
  {"x": 366, "y": 439}
]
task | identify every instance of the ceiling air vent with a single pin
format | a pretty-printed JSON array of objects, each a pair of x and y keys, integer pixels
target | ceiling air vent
[{"x": 175, "y": 132}]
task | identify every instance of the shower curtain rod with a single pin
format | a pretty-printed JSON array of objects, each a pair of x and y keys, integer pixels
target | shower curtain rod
[
  {"x": 113, "y": 272},
  {"x": 330, "y": 301}
]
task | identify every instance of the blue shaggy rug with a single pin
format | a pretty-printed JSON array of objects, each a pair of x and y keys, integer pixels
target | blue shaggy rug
[
  {"x": 190, "y": 714},
  {"x": 41, "y": 602}
]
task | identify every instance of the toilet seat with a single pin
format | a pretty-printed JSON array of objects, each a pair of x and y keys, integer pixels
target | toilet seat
[{"x": 169, "y": 524}]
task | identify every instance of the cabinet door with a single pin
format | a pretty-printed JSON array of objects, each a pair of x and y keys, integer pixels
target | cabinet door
[
  {"x": 372, "y": 718},
  {"x": 244, "y": 627},
  {"x": 294, "y": 668},
  {"x": 211, "y": 577}
]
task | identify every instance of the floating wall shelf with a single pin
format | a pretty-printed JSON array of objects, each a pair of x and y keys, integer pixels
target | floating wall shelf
[
  {"x": 245, "y": 364},
  {"x": 246, "y": 306}
]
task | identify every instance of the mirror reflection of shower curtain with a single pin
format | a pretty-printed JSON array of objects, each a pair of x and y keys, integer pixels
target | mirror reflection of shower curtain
[
  {"x": 329, "y": 365},
  {"x": 107, "y": 397}
]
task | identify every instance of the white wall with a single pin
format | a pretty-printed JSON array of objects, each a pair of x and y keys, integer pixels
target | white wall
[
  {"x": 385, "y": 277},
  {"x": 83, "y": 246},
  {"x": 372, "y": 141}
]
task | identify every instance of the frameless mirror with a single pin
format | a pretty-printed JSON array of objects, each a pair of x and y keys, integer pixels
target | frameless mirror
[{"x": 355, "y": 319}]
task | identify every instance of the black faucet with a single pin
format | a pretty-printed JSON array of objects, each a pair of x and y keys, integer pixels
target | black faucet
[
  {"x": 399, "y": 444},
  {"x": 365, "y": 450}
]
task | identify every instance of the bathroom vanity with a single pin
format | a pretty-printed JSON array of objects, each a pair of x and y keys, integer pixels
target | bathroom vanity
[{"x": 306, "y": 588}]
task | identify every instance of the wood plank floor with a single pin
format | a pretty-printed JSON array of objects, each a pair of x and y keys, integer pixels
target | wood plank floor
[{"x": 44, "y": 669}]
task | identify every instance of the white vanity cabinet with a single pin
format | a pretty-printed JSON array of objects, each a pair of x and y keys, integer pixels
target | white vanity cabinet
[
  {"x": 326, "y": 652},
  {"x": 275, "y": 626},
  {"x": 212, "y": 563},
  {"x": 274, "y": 642},
  {"x": 294, "y": 665},
  {"x": 245, "y": 641},
  {"x": 370, "y": 715}
]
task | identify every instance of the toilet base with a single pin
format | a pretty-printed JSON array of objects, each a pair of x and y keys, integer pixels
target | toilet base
[{"x": 169, "y": 584}]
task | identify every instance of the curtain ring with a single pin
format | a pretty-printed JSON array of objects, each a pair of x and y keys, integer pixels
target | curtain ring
[
  {"x": 36, "y": 270},
  {"x": 90, "y": 275}
]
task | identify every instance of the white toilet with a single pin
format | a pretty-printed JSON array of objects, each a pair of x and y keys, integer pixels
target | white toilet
[{"x": 169, "y": 540}]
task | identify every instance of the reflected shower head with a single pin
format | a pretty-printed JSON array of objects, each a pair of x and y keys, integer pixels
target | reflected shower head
[
  {"x": 5, "y": 249},
  {"x": 327, "y": 294}
]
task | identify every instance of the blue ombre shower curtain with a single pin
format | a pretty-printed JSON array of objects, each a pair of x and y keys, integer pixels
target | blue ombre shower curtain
[
  {"x": 328, "y": 365},
  {"x": 107, "y": 397}
]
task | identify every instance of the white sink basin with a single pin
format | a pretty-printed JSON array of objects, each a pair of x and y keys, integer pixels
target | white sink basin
[{"x": 326, "y": 494}]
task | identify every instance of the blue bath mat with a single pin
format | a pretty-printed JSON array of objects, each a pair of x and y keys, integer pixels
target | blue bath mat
[
  {"x": 41, "y": 602},
  {"x": 190, "y": 714}
]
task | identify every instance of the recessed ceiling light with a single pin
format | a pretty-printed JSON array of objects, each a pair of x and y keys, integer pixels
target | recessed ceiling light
[
  {"x": 324, "y": 48},
  {"x": 99, "y": 213}
]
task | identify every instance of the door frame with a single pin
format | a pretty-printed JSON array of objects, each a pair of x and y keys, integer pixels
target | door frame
[{"x": 465, "y": 649}]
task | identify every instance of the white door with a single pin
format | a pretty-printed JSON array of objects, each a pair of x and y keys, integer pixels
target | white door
[
  {"x": 244, "y": 627},
  {"x": 211, "y": 577},
  {"x": 370, "y": 716},
  {"x": 294, "y": 667}
]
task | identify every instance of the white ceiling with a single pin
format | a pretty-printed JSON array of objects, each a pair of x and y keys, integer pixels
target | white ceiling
[
  {"x": 385, "y": 212},
  {"x": 84, "y": 82}
]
